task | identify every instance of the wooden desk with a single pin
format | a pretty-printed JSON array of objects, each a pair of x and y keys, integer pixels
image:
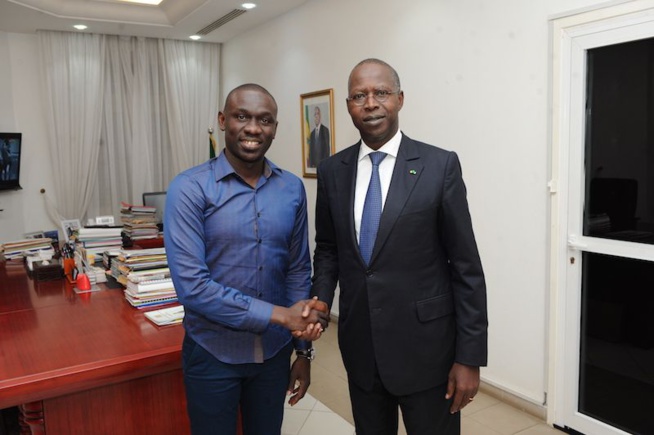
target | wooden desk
[{"x": 86, "y": 364}]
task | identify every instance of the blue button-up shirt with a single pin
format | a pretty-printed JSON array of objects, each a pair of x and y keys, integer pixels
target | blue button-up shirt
[{"x": 235, "y": 251}]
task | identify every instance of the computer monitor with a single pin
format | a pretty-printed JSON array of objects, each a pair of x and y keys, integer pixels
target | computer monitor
[{"x": 158, "y": 200}]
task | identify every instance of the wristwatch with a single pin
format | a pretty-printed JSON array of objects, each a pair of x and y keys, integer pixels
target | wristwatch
[{"x": 309, "y": 354}]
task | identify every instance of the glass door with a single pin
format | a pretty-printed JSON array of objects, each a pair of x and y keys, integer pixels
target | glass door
[
  {"x": 603, "y": 252},
  {"x": 616, "y": 352}
]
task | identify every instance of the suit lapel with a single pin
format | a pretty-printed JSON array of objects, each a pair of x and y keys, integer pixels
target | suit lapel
[
  {"x": 345, "y": 185},
  {"x": 405, "y": 175}
]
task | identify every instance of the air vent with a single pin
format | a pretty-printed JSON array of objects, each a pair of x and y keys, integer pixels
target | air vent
[{"x": 221, "y": 21}]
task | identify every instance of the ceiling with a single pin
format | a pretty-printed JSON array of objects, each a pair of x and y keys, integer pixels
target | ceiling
[{"x": 172, "y": 19}]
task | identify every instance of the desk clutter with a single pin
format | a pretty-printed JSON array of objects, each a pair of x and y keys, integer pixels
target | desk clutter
[
  {"x": 27, "y": 247},
  {"x": 131, "y": 257}
]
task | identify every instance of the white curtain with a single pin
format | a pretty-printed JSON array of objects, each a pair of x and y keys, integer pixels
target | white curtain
[
  {"x": 158, "y": 98},
  {"x": 188, "y": 98},
  {"x": 73, "y": 66}
]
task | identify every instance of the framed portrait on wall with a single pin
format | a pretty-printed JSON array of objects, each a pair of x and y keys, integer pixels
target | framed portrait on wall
[{"x": 317, "y": 120}]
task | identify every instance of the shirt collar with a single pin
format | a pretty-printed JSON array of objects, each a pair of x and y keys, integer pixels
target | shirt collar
[
  {"x": 391, "y": 147},
  {"x": 222, "y": 168}
]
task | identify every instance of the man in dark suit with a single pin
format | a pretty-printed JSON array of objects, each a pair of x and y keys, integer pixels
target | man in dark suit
[
  {"x": 412, "y": 306},
  {"x": 319, "y": 142}
]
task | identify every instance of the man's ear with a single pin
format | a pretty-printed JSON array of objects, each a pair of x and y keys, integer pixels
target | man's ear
[
  {"x": 276, "y": 125},
  {"x": 221, "y": 121}
]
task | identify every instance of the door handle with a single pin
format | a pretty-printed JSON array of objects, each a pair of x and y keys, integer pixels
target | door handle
[{"x": 574, "y": 243}]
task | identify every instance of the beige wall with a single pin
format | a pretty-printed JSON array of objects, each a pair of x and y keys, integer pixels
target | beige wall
[{"x": 22, "y": 111}]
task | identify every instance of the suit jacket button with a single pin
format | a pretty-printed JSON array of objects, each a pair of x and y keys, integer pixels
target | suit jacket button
[{"x": 369, "y": 273}]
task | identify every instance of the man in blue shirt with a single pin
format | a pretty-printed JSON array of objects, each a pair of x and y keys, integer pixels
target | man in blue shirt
[{"x": 237, "y": 245}]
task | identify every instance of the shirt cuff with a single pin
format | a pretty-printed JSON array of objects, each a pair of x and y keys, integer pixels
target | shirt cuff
[
  {"x": 260, "y": 314},
  {"x": 301, "y": 344}
]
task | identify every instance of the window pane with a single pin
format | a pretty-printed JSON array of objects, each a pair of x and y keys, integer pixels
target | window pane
[
  {"x": 620, "y": 142},
  {"x": 616, "y": 373}
]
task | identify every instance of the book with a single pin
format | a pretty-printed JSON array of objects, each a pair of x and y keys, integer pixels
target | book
[
  {"x": 136, "y": 209},
  {"x": 151, "y": 302},
  {"x": 22, "y": 248},
  {"x": 166, "y": 316},
  {"x": 157, "y": 297},
  {"x": 90, "y": 233},
  {"x": 149, "y": 274},
  {"x": 150, "y": 285},
  {"x": 142, "y": 252}
]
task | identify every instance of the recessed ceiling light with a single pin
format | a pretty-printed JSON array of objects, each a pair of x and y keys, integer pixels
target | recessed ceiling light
[
  {"x": 80, "y": 26},
  {"x": 195, "y": 37},
  {"x": 144, "y": 2},
  {"x": 249, "y": 5}
]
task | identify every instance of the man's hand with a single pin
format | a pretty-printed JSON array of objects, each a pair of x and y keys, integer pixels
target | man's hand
[
  {"x": 313, "y": 331},
  {"x": 299, "y": 381},
  {"x": 315, "y": 304},
  {"x": 296, "y": 319},
  {"x": 462, "y": 385}
]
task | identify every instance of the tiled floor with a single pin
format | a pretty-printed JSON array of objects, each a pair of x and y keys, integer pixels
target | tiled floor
[{"x": 326, "y": 409}]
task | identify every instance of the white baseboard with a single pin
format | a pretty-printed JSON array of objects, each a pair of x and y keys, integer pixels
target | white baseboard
[{"x": 523, "y": 404}]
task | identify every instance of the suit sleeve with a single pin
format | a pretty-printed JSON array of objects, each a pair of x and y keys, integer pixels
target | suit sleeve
[
  {"x": 325, "y": 259},
  {"x": 467, "y": 276}
]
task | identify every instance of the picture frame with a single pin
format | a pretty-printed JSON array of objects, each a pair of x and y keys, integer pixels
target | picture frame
[
  {"x": 317, "y": 121},
  {"x": 69, "y": 226},
  {"x": 34, "y": 235},
  {"x": 53, "y": 235}
]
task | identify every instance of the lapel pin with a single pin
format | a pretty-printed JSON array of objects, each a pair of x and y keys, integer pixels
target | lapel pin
[{"x": 412, "y": 172}]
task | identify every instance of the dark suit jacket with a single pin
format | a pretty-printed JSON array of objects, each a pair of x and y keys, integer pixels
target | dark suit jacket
[
  {"x": 318, "y": 147},
  {"x": 421, "y": 304}
]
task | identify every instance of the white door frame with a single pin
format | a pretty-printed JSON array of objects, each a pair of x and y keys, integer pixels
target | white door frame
[{"x": 571, "y": 37}]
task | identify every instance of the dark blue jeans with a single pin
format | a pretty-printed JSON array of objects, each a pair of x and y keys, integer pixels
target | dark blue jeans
[{"x": 214, "y": 391}]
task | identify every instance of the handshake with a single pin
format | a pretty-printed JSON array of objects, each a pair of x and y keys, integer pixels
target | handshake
[
  {"x": 317, "y": 315},
  {"x": 306, "y": 319}
]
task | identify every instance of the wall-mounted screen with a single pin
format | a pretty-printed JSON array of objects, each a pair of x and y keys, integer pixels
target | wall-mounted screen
[{"x": 10, "y": 148}]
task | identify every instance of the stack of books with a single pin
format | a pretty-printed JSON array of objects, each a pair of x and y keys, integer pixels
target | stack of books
[
  {"x": 139, "y": 222},
  {"x": 25, "y": 247},
  {"x": 150, "y": 293},
  {"x": 108, "y": 256},
  {"x": 145, "y": 275},
  {"x": 96, "y": 274},
  {"x": 93, "y": 242}
]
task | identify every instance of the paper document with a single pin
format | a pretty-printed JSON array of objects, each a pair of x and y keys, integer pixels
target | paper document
[{"x": 166, "y": 316}]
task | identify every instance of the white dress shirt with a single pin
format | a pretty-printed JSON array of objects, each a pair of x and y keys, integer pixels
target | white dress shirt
[{"x": 364, "y": 170}]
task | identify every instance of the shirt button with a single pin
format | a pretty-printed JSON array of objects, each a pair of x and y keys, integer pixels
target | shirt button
[
  {"x": 260, "y": 267},
  {"x": 259, "y": 241}
]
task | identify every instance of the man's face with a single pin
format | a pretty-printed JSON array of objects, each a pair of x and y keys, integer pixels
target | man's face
[
  {"x": 316, "y": 116},
  {"x": 377, "y": 122},
  {"x": 249, "y": 121}
]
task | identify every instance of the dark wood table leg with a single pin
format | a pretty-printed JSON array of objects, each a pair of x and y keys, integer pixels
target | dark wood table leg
[{"x": 32, "y": 419}]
